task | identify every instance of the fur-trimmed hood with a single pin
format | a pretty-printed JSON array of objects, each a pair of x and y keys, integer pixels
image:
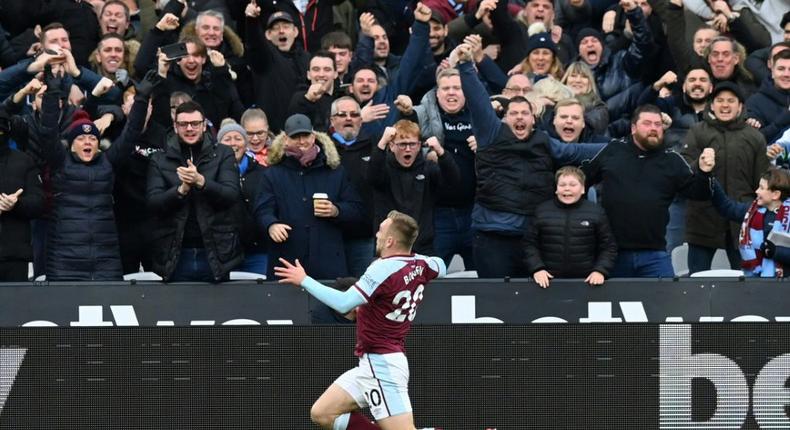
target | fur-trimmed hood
[
  {"x": 228, "y": 36},
  {"x": 277, "y": 149}
]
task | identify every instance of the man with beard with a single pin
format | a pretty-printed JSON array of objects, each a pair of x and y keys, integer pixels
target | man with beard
[
  {"x": 740, "y": 162},
  {"x": 640, "y": 177},
  {"x": 192, "y": 187},
  {"x": 515, "y": 173},
  {"x": 685, "y": 111},
  {"x": 376, "y": 101},
  {"x": 354, "y": 150},
  {"x": 373, "y": 49},
  {"x": 405, "y": 181},
  {"x": 315, "y": 101}
]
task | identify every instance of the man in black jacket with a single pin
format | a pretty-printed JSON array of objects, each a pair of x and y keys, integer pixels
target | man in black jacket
[
  {"x": 277, "y": 63},
  {"x": 407, "y": 182},
  {"x": 21, "y": 199},
  {"x": 640, "y": 177},
  {"x": 354, "y": 150},
  {"x": 192, "y": 187}
]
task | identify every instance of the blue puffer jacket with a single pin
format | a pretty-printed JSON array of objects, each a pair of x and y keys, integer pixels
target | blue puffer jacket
[
  {"x": 287, "y": 197},
  {"x": 83, "y": 240},
  {"x": 770, "y": 106}
]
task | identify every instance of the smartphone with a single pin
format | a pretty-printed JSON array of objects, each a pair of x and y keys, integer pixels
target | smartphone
[{"x": 175, "y": 51}]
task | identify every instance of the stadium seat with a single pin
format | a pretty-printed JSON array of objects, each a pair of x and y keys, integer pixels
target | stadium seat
[
  {"x": 463, "y": 274},
  {"x": 142, "y": 276},
  {"x": 680, "y": 260},
  {"x": 242, "y": 276},
  {"x": 718, "y": 273}
]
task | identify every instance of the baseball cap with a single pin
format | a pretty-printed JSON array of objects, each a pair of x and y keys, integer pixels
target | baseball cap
[
  {"x": 297, "y": 124},
  {"x": 728, "y": 86},
  {"x": 279, "y": 16}
]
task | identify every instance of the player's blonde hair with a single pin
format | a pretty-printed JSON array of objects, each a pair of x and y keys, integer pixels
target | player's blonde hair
[{"x": 404, "y": 228}]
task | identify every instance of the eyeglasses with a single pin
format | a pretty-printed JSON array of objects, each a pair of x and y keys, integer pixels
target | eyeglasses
[
  {"x": 404, "y": 145},
  {"x": 347, "y": 115},
  {"x": 524, "y": 90},
  {"x": 189, "y": 124},
  {"x": 262, "y": 133}
]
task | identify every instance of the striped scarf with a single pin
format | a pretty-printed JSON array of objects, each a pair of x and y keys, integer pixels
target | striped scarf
[{"x": 752, "y": 236}]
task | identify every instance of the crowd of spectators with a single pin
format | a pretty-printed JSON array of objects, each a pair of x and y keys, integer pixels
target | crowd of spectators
[{"x": 533, "y": 138}]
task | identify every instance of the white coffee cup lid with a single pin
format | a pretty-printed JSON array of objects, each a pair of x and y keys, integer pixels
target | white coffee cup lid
[{"x": 320, "y": 196}]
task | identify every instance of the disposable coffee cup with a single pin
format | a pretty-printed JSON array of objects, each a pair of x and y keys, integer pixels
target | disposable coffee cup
[{"x": 319, "y": 196}]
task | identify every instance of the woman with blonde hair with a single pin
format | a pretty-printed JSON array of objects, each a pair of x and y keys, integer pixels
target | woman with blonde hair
[
  {"x": 579, "y": 78},
  {"x": 541, "y": 60}
]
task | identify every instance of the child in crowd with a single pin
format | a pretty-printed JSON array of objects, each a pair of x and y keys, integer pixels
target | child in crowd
[
  {"x": 770, "y": 211},
  {"x": 569, "y": 237}
]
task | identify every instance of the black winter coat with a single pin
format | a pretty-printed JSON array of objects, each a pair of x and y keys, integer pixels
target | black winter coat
[
  {"x": 412, "y": 190},
  {"x": 18, "y": 171},
  {"x": 83, "y": 240},
  {"x": 213, "y": 204},
  {"x": 355, "y": 159},
  {"x": 275, "y": 74},
  {"x": 570, "y": 241}
]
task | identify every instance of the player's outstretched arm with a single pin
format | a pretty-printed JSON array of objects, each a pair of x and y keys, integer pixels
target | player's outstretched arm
[
  {"x": 341, "y": 301},
  {"x": 437, "y": 264}
]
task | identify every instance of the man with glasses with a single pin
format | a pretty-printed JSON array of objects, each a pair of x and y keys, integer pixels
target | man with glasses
[
  {"x": 307, "y": 200},
  {"x": 405, "y": 181},
  {"x": 345, "y": 123},
  {"x": 192, "y": 187}
]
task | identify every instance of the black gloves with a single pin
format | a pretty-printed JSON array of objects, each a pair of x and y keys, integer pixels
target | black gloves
[
  {"x": 145, "y": 87},
  {"x": 56, "y": 84},
  {"x": 768, "y": 249}
]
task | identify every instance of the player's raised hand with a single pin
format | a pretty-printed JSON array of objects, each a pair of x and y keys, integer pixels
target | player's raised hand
[{"x": 290, "y": 273}]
